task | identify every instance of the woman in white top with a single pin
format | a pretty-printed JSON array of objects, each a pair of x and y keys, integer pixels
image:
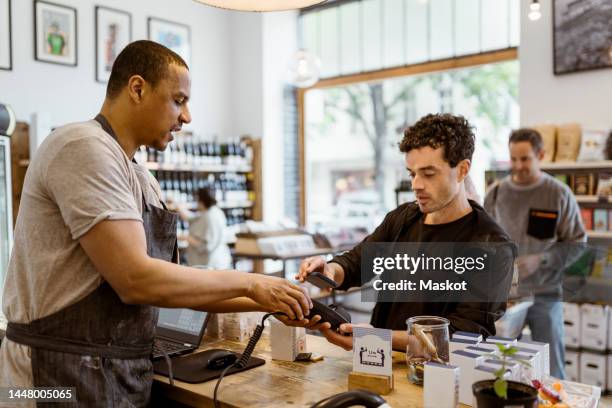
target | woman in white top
[{"x": 206, "y": 237}]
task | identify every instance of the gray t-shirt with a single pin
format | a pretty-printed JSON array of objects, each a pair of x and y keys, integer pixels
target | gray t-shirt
[
  {"x": 78, "y": 177},
  {"x": 555, "y": 232},
  {"x": 509, "y": 204}
]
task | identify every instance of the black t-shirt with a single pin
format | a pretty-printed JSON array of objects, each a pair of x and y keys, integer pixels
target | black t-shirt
[
  {"x": 405, "y": 223},
  {"x": 461, "y": 230},
  {"x": 394, "y": 315}
]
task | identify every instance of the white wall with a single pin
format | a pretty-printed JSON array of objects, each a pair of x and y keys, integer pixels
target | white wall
[
  {"x": 262, "y": 44},
  {"x": 246, "y": 88},
  {"x": 67, "y": 94},
  {"x": 545, "y": 98},
  {"x": 280, "y": 43}
]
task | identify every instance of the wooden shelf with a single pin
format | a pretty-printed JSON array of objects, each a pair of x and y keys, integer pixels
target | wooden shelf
[
  {"x": 592, "y": 199},
  {"x": 198, "y": 169},
  {"x": 235, "y": 204},
  {"x": 570, "y": 166},
  {"x": 599, "y": 235},
  {"x": 230, "y": 204}
]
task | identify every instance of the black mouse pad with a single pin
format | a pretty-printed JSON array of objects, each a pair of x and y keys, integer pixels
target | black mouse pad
[{"x": 192, "y": 367}]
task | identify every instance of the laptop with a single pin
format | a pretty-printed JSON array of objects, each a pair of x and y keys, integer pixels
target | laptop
[{"x": 179, "y": 331}]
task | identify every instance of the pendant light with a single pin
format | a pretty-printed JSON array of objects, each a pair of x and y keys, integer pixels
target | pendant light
[
  {"x": 304, "y": 69},
  {"x": 534, "y": 10},
  {"x": 261, "y": 5}
]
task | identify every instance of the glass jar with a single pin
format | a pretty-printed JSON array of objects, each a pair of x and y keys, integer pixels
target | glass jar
[{"x": 428, "y": 341}]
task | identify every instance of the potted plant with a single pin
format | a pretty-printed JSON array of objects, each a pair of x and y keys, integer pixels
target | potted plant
[{"x": 500, "y": 392}]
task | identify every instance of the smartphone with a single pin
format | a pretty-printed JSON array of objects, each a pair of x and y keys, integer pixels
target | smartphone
[{"x": 321, "y": 281}]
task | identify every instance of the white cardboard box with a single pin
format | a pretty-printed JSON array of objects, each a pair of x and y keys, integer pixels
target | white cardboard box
[
  {"x": 477, "y": 337},
  {"x": 440, "y": 377},
  {"x": 479, "y": 350},
  {"x": 542, "y": 348},
  {"x": 513, "y": 368},
  {"x": 286, "y": 342},
  {"x": 609, "y": 386},
  {"x": 538, "y": 364},
  {"x": 466, "y": 362},
  {"x": 572, "y": 365},
  {"x": 594, "y": 326},
  {"x": 501, "y": 340},
  {"x": 459, "y": 344},
  {"x": 593, "y": 369},
  {"x": 571, "y": 324},
  {"x": 609, "y": 330}
]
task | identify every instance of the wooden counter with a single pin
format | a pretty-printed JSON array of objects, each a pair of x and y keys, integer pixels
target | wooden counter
[{"x": 283, "y": 384}]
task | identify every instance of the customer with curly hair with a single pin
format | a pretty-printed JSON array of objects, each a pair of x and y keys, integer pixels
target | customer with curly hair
[{"x": 438, "y": 152}]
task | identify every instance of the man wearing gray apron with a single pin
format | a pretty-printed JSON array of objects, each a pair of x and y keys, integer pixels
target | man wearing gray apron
[{"x": 85, "y": 277}]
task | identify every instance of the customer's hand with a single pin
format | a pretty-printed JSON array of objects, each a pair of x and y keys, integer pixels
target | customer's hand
[
  {"x": 310, "y": 324},
  {"x": 415, "y": 348},
  {"x": 315, "y": 264},
  {"x": 344, "y": 336},
  {"x": 279, "y": 295},
  {"x": 527, "y": 264}
]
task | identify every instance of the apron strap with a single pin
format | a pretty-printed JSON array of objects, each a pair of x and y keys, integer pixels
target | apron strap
[{"x": 22, "y": 334}]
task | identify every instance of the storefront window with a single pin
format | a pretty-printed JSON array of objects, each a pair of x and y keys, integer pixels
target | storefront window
[{"x": 352, "y": 161}]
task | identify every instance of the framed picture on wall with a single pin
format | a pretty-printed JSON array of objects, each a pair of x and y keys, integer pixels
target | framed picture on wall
[
  {"x": 55, "y": 33},
  {"x": 582, "y": 35},
  {"x": 6, "y": 53},
  {"x": 175, "y": 36},
  {"x": 113, "y": 33}
]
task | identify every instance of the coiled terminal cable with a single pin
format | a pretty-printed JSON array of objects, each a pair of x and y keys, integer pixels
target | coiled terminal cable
[{"x": 246, "y": 355}]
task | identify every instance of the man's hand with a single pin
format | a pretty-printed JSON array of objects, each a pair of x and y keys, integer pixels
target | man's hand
[
  {"x": 416, "y": 348},
  {"x": 344, "y": 336},
  {"x": 315, "y": 264},
  {"x": 527, "y": 264},
  {"x": 311, "y": 324},
  {"x": 279, "y": 295}
]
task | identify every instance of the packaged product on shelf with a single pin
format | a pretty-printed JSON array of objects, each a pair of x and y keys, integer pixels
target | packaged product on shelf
[
  {"x": 593, "y": 369},
  {"x": 600, "y": 219},
  {"x": 587, "y": 217},
  {"x": 592, "y": 146},
  {"x": 604, "y": 184},
  {"x": 583, "y": 184},
  {"x": 549, "y": 136},
  {"x": 568, "y": 142},
  {"x": 572, "y": 365},
  {"x": 594, "y": 326}
]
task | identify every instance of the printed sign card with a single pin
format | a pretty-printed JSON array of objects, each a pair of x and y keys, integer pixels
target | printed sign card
[{"x": 372, "y": 351}]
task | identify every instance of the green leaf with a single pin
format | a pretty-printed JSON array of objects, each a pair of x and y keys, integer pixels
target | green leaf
[
  {"x": 501, "y": 347},
  {"x": 500, "y": 373},
  {"x": 511, "y": 351},
  {"x": 501, "y": 388}
]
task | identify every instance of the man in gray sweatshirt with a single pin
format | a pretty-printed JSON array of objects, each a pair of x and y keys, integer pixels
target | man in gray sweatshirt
[{"x": 542, "y": 216}]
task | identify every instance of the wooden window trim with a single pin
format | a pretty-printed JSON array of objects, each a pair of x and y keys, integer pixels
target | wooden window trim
[{"x": 383, "y": 74}]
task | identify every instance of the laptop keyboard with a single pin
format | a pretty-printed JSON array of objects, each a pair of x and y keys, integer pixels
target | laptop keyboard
[{"x": 171, "y": 348}]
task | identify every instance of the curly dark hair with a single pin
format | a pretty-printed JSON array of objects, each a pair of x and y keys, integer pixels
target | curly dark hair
[{"x": 453, "y": 132}]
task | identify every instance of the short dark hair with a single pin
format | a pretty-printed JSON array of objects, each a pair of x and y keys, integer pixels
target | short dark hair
[
  {"x": 452, "y": 132},
  {"x": 207, "y": 197},
  {"x": 146, "y": 58},
  {"x": 527, "y": 135}
]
